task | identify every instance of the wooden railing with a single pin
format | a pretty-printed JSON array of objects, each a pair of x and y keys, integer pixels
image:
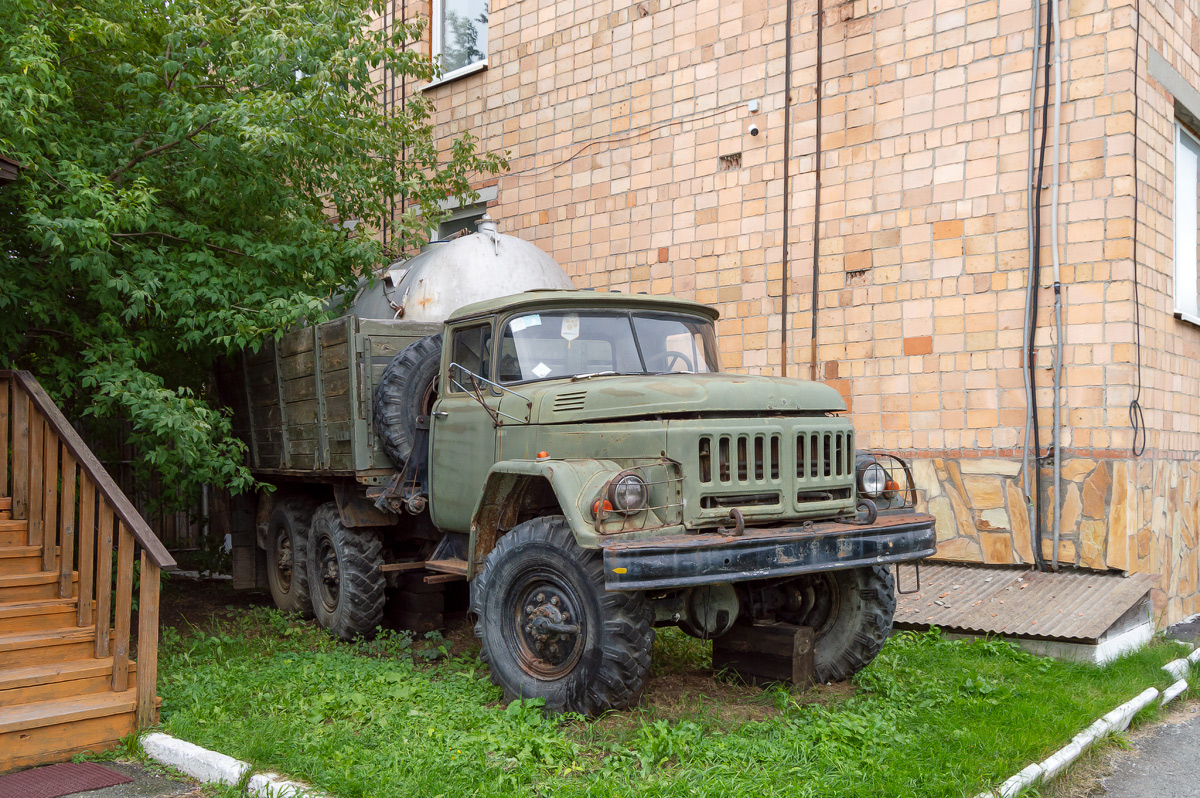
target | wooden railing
[{"x": 76, "y": 512}]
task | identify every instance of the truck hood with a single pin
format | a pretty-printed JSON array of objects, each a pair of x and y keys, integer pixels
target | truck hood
[{"x": 626, "y": 396}]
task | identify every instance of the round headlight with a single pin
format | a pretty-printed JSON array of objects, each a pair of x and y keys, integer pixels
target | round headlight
[
  {"x": 872, "y": 480},
  {"x": 628, "y": 493}
]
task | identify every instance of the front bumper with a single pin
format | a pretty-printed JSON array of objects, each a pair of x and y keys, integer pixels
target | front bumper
[{"x": 714, "y": 558}]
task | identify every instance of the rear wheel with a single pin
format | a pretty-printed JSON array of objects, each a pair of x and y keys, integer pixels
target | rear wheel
[
  {"x": 850, "y": 613},
  {"x": 346, "y": 580},
  {"x": 549, "y": 629},
  {"x": 287, "y": 554}
]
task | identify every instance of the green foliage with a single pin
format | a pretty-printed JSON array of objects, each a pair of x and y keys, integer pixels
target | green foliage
[
  {"x": 184, "y": 167},
  {"x": 930, "y": 717}
]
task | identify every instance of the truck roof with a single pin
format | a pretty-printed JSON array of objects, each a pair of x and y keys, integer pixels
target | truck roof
[{"x": 575, "y": 299}]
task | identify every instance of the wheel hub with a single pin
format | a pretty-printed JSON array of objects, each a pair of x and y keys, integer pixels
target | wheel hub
[
  {"x": 551, "y": 636},
  {"x": 329, "y": 575},
  {"x": 283, "y": 561}
]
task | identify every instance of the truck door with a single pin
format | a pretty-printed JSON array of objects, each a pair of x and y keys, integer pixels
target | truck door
[{"x": 463, "y": 440}]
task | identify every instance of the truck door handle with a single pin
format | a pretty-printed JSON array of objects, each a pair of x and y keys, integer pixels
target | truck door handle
[{"x": 440, "y": 414}]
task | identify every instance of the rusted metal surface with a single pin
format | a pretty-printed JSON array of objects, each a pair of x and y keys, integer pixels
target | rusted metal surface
[{"x": 980, "y": 599}]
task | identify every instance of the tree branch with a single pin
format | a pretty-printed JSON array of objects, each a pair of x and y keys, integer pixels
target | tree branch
[
  {"x": 180, "y": 240},
  {"x": 157, "y": 150}
]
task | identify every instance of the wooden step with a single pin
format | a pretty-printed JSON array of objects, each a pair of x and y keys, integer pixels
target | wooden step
[
  {"x": 37, "y": 615},
  {"x": 56, "y": 680},
  {"x": 46, "y": 646},
  {"x": 53, "y": 731},
  {"x": 20, "y": 560},
  {"x": 13, "y": 532},
  {"x": 25, "y": 587}
]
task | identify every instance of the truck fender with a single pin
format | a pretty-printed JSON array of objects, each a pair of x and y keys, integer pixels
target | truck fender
[{"x": 517, "y": 488}]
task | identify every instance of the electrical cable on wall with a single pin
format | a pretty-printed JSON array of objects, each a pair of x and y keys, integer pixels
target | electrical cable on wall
[{"x": 1137, "y": 419}]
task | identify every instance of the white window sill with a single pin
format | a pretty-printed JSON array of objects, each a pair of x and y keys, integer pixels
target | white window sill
[
  {"x": 450, "y": 77},
  {"x": 1188, "y": 317}
]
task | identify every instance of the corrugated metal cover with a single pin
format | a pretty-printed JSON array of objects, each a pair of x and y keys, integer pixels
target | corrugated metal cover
[{"x": 1071, "y": 605}]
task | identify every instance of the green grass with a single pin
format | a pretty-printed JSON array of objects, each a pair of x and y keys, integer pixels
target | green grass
[{"x": 930, "y": 717}]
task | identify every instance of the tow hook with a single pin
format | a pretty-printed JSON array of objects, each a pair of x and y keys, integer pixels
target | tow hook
[{"x": 867, "y": 513}]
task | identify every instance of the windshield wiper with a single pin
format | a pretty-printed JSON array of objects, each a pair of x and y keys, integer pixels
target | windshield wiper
[{"x": 589, "y": 375}]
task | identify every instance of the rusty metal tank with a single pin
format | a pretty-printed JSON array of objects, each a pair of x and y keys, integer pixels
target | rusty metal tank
[{"x": 486, "y": 264}]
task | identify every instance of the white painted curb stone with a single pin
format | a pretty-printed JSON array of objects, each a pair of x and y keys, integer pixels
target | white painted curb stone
[
  {"x": 1179, "y": 668},
  {"x": 205, "y": 765},
  {"x": 272, "y": 785},
  {"x": 1173, "y": 692},
  {"x": 197, "y": 762}
]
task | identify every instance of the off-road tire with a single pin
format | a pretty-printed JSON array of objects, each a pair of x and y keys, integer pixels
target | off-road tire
[
  {"x": 864, "y": 608},
  {"x": 607, "y": 659},
  {"x": 348, "y": 601},
  {"x": 405, "y": 391},
  {"x": 287, "y": 553}
]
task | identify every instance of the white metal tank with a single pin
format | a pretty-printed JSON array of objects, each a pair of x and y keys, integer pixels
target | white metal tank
[{"x": 487, "y": 264}]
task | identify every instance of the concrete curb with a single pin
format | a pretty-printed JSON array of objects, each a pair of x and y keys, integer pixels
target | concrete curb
[
  {"x": 210, "y": 766},
  {"x": 1115, "y": 721}
]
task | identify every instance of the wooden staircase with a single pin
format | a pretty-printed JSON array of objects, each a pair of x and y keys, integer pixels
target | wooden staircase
[{"x": 67, "y": 680}]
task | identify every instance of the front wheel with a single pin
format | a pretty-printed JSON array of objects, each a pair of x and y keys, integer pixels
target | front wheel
[
  {"x": 345, "y": 575},
  {"x": 549, "y": 629}
]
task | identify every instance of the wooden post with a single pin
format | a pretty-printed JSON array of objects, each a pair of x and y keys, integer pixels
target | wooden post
[
  {"x": 87, "y": 547},
  {"x": 50, "y": 502},
  {"x": 66, "y": 559},
  {"x": 37, "y": 426},
  {"x": 103, "y": 578},
  {"x": 147, "y": 654},
  {"x": 4, "y": 417},
  {"x": 763, "y": 653},
  {"x": 20, "y": 445},
  {"x": 124, "y": 611}
]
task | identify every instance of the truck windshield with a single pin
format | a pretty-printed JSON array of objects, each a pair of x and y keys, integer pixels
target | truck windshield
[{"x": 556, "y": 344}]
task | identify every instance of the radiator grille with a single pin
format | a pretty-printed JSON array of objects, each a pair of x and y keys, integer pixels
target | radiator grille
[{"x": 750, "y": 458}]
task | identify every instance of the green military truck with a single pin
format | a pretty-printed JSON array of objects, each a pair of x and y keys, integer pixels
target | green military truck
[{"x": 582, "y": 461}]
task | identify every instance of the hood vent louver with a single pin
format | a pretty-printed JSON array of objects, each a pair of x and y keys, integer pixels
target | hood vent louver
[{"x": 572, "y": 400}]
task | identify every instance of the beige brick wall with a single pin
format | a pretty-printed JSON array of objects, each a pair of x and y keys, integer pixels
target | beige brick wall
[{"x": 620, "y": 118}]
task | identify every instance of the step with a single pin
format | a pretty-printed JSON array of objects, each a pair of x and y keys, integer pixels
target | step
[
  {"x": 41, "y": 585},
  {"x": 56, "y": 730},
  {"x": 36, "y": 615},
  {"x": 452, "y": 566},
  {"x": 20, "y": 560},
  {"x": 14, "y": 532},
  {"x": 56, "y": 680},
  {"x": 46, "y": 646}
]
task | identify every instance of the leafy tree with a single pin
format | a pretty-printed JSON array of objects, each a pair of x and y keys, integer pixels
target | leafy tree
[{"x": 186, "y": 164}]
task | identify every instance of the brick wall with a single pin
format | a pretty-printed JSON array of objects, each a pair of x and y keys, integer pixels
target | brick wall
[{"x": 627, "y": 128}]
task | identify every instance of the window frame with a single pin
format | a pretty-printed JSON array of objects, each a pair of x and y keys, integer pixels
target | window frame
[
  {"x": 491, "y": 359},
  {"x": 436, "y": 43},
  {"x": 1189, "y": 312},
  {"x": 503, "y": 321}
]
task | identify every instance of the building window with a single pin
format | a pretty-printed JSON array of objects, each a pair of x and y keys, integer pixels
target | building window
[
  {"x": 460, "y": 220},
  {"x": 460, "y": 34},
  {"x": 1187, "y": 224}
]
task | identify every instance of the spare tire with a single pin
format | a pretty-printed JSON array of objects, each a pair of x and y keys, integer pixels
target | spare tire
[{"x": 407, "y": 389}]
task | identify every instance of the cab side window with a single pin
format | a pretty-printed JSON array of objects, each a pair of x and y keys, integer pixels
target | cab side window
[{"x": 472, "y": 349}]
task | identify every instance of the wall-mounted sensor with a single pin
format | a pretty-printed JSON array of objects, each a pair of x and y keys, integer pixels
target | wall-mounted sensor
[
  {"x": 754, "y": 106},
  {"x": 753, "y": 129}
]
